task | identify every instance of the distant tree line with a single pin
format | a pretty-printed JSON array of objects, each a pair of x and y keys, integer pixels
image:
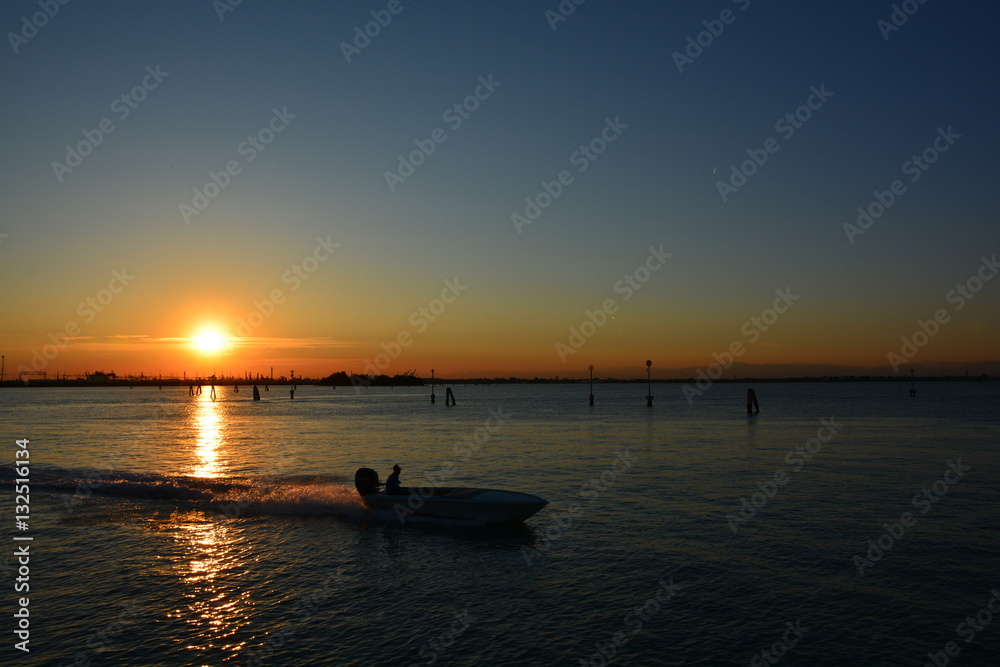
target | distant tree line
[{"x": 342, "y": 379}]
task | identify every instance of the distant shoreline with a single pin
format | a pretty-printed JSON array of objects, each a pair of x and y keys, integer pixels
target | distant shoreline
[{"x": 410, "y": 381}]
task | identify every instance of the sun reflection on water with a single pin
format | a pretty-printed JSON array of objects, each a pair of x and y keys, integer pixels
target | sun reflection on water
[
  {"x": 209, "y": 424},
  {"x": 215, "y": 606}
]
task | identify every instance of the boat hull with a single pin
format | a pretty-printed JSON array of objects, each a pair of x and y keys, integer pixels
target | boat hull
[{"x": 463, "y": 504}]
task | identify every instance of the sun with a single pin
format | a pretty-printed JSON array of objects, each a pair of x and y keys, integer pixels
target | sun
[{"x": 209, "y": 340}]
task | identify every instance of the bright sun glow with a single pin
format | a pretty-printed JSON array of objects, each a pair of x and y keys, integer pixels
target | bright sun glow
[{"x": 209, "y": 340}]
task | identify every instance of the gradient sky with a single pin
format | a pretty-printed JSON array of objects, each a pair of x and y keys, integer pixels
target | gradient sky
[{"x": 323, "y": 176}]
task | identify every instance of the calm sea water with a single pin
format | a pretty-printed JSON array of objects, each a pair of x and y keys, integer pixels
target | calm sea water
[{"x": 178, "y": 530}]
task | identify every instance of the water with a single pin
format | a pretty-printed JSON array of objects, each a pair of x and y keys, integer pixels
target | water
[{"x": 177, "y": 530}]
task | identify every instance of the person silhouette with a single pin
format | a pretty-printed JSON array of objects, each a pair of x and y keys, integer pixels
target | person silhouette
[{"x": 392, "y": 483}]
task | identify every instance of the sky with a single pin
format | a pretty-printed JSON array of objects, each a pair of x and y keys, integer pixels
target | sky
[{"x": 497, "y": 188}]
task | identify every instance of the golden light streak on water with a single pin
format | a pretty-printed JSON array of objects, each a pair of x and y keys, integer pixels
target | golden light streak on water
[{"x": 209, "y": 426}]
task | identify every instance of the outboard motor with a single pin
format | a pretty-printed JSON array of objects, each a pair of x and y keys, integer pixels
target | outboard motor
[{"x": 366, "y": 481}]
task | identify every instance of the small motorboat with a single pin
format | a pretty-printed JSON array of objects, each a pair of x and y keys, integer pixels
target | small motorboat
[{"x": 459, "y": 503}]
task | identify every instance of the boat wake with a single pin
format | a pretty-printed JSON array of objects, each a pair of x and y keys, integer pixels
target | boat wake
[
  {"x": 242, "y": 496},
  {"x": 290, "y": 497}
]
